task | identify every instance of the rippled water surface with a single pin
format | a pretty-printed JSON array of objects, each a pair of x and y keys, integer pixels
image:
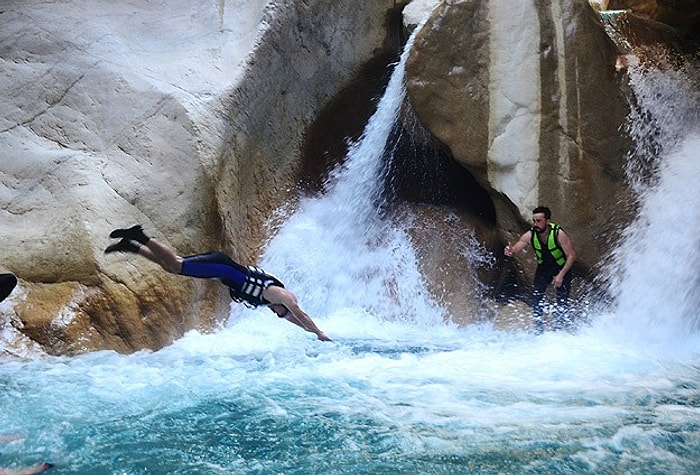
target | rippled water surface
[{"x": 262, "y": 397}]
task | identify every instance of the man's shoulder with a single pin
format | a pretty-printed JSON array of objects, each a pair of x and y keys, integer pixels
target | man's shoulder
[{"x": 556, "y": 229}]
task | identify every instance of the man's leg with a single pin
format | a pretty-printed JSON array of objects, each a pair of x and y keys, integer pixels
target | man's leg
[
  {"x": 134, "y": 240},
  {"x": 562, "y": 308},
  {"x": 162, "y": 255},
  {"x": 542, "y": 280}
]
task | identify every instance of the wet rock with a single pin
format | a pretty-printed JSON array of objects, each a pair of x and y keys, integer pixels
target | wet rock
[
  {"x": 684, "y": 15},
  {"x": 186, "y": 118},
  {"x": 530, "y": 102}
]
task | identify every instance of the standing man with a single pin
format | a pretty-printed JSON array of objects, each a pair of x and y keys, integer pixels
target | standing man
[
  {"x": 248, "y": 284},
  {"x": 555, "y": 256}
]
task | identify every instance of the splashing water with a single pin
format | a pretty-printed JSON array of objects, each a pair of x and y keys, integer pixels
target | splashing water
[
  {"x": 658, "y": 282},
  {"x": 653, "y": 272},
  {"x": 338, "y": 252},
  {"x": 398, "y": 391}
]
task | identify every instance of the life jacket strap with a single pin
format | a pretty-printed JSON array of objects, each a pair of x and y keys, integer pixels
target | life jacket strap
[{"x": 251, "y": 292}]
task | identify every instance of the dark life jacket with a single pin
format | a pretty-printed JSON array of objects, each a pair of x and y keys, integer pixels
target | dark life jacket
[
  {"x": 251, "y": 291},
  {"x": 553, "y": 246}
]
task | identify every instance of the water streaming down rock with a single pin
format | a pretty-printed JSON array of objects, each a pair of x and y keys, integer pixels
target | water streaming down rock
[
  {"x": 337, "y": 251},
  {"x": 653, "y": 271}
]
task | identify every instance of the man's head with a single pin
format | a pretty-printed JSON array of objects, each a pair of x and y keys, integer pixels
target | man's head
[{"x": 540, "y": 218}]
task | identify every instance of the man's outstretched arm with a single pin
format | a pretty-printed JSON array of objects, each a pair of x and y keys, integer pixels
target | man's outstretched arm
[
  {"x": 281, "y": 296},
  {"x": 518, "y": 246}
]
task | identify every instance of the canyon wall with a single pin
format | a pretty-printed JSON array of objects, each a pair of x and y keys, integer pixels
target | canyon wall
[
  {"x": 186, "y": 117},
  {"x": 529, "y": 101},
  {"x": 191, "y": 119},
  {"x": 532, "y": 99}
]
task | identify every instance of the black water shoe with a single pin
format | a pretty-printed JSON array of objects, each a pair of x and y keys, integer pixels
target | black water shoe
[
  {"x": 135, "y": 233},
  {"x": 7, "y": 285},
  {"x": 125, "y": 245}
]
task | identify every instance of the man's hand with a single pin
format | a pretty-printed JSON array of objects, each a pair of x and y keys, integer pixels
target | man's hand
[{"x": 558, "y": 280}]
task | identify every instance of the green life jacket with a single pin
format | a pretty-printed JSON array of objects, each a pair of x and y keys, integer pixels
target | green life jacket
[{"x": 552, "y": 245}]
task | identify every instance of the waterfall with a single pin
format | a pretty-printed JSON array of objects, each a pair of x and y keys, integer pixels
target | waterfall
[
  {"x": 653, "y": 273},
  {"x": 658, "y": 261},
  {"x": 337, "y": 252}
]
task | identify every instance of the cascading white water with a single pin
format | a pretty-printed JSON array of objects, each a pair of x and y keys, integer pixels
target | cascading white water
[
  {"x": 656, "y": 280},
  {"x": 337, "y": 252},
  {"x": 653, "y": 273}
]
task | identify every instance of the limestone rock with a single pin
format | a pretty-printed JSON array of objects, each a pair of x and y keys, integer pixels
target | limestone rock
[
  {"x": 186, "y": 117},
  {"x": 527, "y": 98},
  {"x": 416, "y": 11},
  {"x": 681, "y": 14}
]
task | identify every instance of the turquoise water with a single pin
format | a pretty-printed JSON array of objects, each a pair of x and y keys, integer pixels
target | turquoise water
[
  {"x": 263, "y": 397},
  {"x": 399, "y": 391}
]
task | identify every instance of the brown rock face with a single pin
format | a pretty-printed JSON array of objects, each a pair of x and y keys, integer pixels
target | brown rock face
[
  {"x": 530, "y": 103},
  {"x": 453, "y": 255},
  {"x": 188, "y": 124},
  {"x": 681, "y": 14},
  {"x": 70, "y": 317}
]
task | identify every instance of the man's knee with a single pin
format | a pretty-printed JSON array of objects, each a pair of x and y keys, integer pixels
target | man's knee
[{"x": 174, "y": 266}]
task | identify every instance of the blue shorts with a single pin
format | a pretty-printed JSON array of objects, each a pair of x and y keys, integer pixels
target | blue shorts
[
  {"x": 246, "y": 284},
  {"x": 215, "y": 265}
]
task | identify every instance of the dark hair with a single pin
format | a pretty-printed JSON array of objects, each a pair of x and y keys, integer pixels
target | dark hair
[{"x": 544, "y": 210}]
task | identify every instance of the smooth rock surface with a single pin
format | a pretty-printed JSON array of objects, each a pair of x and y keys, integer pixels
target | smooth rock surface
[
  {"x": 528, "y": 99},
  {"x": 186, "y": 117}
]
